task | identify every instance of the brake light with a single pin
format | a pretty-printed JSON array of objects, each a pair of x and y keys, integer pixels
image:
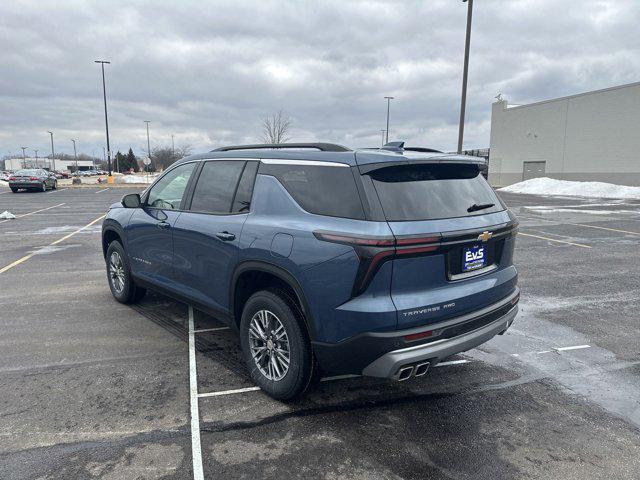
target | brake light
[
  {"x": 33, "y": 178},
  {"x": 11, "y": 179},
  {"x": 374, "y": 251}
]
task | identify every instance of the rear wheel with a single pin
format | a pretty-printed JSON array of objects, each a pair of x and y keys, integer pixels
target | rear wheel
[
  {"x": 122, "y": 286},
  {"x": 14, "y": 189},
  {"x": 55, "y": 185},
  {"x": 43, "y": 187},
  {"x": 275, "y": 345}
]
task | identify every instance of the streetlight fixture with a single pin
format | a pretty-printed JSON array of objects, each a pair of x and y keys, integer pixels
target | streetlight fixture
[
  {"x": 148, "y": 144},
  {"x": 465, "y": 74},
  {"x": 388, "y": 106},
  {"x": 24, "y": 158},
  {"x": 106, "y": 120},
  {"x": 53, "y": 158},
  {"x": 75, "y": 155}
]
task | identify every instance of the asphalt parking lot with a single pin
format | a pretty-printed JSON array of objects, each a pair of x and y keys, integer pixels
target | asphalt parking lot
[{"x": 95, "y": 389}]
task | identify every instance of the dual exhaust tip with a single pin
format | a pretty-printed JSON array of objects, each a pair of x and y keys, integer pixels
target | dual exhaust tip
[{"x": 409, "y": 371}]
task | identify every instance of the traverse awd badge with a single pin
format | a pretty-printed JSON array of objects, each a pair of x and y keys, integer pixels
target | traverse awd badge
[{"x": 484, "y": 236}]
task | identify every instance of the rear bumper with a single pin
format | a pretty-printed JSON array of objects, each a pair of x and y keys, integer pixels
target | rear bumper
[{"x": 384, "y": 354}]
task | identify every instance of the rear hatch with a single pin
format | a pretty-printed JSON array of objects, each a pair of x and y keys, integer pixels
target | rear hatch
[{"x": 454, "y": 239}]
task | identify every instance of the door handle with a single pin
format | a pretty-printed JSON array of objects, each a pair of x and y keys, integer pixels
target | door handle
[
  {"x": 163, "y": 225},
  {"x": 225, "y": 236}
]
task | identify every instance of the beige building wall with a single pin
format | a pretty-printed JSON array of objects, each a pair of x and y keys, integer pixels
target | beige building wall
[{"x": 593, "y": 136}]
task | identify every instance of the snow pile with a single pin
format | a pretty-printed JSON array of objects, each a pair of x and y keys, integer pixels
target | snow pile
[
  {"x": 137, "y": 178},
  {"x": 7, "y": 215},
  {"x": 551, "y": 186}
]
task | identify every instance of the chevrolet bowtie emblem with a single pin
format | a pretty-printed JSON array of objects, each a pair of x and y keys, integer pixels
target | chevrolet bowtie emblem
[{"x": 484, "y": 236}]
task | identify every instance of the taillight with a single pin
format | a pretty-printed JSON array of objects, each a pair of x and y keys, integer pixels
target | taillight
[
  {"x": 33, "y": 178},
  {"x": 374, "y": 251},
  {"x": 12, "y": 179}
]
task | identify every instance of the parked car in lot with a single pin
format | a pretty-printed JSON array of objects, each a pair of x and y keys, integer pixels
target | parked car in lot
[
  {"x": 32, "y": 179},
  {"x": 5, "y": 176},
  {"x": 369, "y": 262}
]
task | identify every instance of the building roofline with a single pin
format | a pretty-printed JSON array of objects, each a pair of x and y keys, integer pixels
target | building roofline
[{"x": 569, "y": 97}]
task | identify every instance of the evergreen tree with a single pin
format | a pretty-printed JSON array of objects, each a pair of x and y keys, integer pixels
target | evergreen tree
[
  {"x": 120, "y": 161},
  {"x": 132, "y": 161}
]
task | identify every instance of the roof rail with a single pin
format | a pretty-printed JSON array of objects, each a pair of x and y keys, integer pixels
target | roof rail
[{"x": 324, "y": 147}]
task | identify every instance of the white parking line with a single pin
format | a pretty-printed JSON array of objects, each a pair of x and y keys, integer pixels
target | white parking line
[
  {"x": 35, "y": 211},
  {"x": 196, "y": 451},
  {"x": 576, "y": 347},
  {"x": 228, "y": 392},
  {"x": 103, "y": 190},
  {"x": 452, "y": 362},
  {"x": 57, "y": 190},
  {"x": 582, "y": 225},
  {"x": 554, "y": 240}
]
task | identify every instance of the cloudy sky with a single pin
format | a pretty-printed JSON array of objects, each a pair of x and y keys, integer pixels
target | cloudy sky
[{"x": 207, "y": 72}]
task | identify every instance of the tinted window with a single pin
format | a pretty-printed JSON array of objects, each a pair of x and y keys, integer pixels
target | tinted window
[
  {"x": 428, "y": 191},
  {"x": 168, "y": 192},
  {"x": 27, "y": 172},
  {"x": 242, "y": 202},
  {"x": 216, "y": 185},
  {"x": 322, "y": 190}
]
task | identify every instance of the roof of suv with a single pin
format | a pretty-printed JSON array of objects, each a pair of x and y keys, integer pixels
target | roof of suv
[{"x": 331, "y": 153}]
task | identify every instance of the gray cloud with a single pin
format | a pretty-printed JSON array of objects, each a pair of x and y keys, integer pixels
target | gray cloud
[{"x": 207, "y": 72}]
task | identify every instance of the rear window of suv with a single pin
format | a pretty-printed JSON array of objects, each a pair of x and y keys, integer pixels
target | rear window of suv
[
  {"x": 433, "y": 191},
  {"x": 324, "y": 190}
]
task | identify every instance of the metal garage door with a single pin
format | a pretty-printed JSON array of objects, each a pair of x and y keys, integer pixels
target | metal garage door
[{"x": 533, "y": 170}]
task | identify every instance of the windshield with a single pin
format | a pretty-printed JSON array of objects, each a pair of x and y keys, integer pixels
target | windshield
[
  {"x": 433, "y": 191},
  {"x": 28, "y": 171}
]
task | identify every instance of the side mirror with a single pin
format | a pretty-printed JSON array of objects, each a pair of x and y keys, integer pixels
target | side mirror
[{"x": 131, "y": 200}]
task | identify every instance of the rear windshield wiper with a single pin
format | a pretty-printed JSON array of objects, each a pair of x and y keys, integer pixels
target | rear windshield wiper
[{"x": 479, "y": 206}]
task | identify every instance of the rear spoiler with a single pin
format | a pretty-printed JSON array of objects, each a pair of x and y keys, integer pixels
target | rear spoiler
[{"x": 459, "y": 159}]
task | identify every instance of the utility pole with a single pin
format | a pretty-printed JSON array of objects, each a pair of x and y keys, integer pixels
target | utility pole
[
  {"x": 24, "y": 158},
  {"x": 465, "y": 74},
  {"x": 53, "y": 158},
  {"x": 148, "y": 144},
  {"x": 106, "y": 120},
  {"x": 173, "y": 147},
  {"x": 382, "y": 139},
  {"x": 388, "y": 106},
  {"x": 36, "y": 157},
  {"x": 75, "y": 155}
]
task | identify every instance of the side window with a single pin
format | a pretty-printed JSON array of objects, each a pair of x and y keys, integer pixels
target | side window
[
  {"x": 323, "y": 190},
  {"x": 168, "y": 192},
  {"x": 216, "y": 185},
  {"x": 242, "y": 202}
]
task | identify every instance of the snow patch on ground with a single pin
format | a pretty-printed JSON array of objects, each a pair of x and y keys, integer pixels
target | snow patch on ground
[
  {"x": 137, "y": 178},
  {"x": 68, "y": 228},
  {"x": 551, "y": 186},
  {"x": 6, "y": 215}
]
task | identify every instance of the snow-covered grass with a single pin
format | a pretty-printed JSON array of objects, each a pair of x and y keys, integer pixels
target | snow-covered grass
[
  {"x": 551, "y": 186},
  {"x": 142, "y": 178}
]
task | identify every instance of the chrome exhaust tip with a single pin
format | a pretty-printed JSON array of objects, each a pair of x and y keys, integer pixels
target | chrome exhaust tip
[
  {"x": 405, "y": 373},
  {"x": 422, "y": 369}
]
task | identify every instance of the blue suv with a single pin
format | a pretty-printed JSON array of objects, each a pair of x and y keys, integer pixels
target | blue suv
[{"x": 378, "y": 262}]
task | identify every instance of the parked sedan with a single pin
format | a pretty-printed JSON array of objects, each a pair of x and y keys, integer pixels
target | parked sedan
[{"x": 32, "y": 179}]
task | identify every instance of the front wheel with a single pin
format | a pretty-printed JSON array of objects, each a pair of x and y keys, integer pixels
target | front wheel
[
  {"x": 55, "y": 185},
  {"x": 121, "y": 283},
  {"x": 275, "y": 345}
]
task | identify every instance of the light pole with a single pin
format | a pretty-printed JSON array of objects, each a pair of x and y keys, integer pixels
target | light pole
[
  {"x": 388, "y": 106},
  {"x": 53, "y": 158},
  {"x": 24, "y": 158},
  {"x": 382, "y": 139},
  {"x": 75, "y": 155},
  {"x": 106, "y": 120},
  {"x": 148, "y": 144},
  {"x": 36, "y": 157},
  {"x": 465, "y": 73},
  {"x": 173, "y": 147}
]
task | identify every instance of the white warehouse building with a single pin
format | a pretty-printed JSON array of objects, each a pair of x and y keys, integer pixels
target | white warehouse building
[
  {"x": 593, "y": 136},
  {"x": 13, "y": 164}
]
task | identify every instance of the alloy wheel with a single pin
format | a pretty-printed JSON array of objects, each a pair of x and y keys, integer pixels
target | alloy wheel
[
  {"x": 116, "y": 272},
  {"x": 269, "y": 345}
]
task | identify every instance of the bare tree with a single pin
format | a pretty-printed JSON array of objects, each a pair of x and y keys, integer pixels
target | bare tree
[{"x": 275, "y": 128}]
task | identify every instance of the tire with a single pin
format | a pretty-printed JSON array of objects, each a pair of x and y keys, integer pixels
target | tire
[
  {"x": 279, "y": 381},
  {"x": 55, "y": 185},
  {"x": 121, "y": 284},
  {"x": 14, "y": 189},
  {"x": 44, "y": 187}
]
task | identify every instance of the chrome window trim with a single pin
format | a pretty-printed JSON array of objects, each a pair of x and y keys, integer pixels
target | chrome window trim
[{"x": 314, "y": 163}]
